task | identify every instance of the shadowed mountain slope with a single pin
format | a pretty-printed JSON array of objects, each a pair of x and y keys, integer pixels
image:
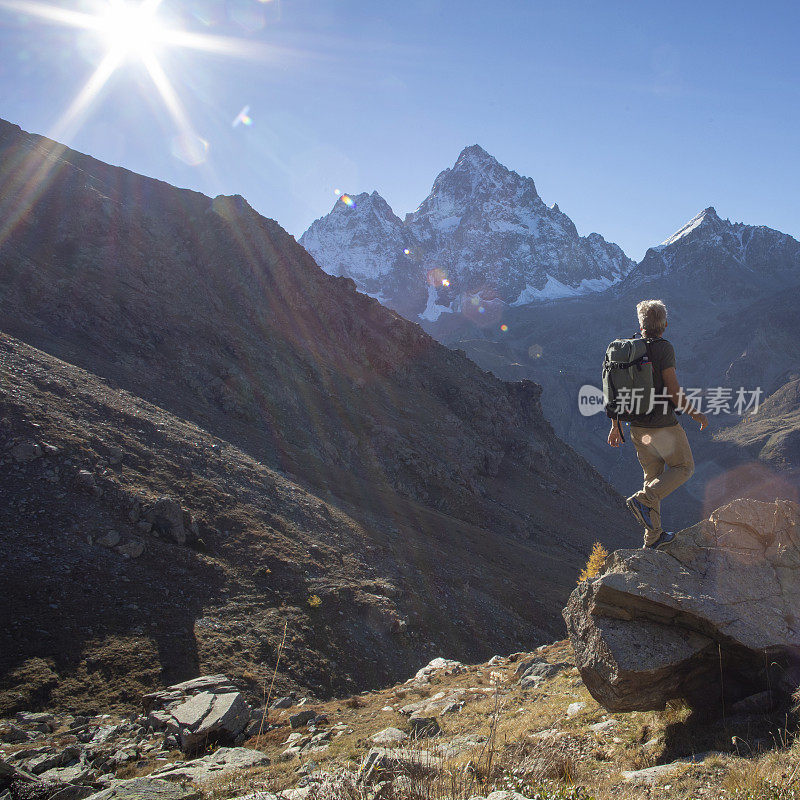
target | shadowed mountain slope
[{"x": 355, "y": 451}]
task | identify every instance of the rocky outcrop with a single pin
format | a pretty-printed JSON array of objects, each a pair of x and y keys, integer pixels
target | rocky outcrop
[
  {"x": 199, "y": 712},
  {"x": 712, "y": 619},
  {"x": 221, "y": 762}
]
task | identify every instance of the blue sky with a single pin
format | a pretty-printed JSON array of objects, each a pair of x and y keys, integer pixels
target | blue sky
[{"x": 633, "y": 116}]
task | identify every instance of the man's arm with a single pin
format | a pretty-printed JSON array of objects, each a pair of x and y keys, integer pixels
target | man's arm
[
  {"x": 615, "y": 434},
  {"x": 673, "y": 389}
]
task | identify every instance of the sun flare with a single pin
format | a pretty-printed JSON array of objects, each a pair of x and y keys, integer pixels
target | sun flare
[{"x": 128, "y": 29}]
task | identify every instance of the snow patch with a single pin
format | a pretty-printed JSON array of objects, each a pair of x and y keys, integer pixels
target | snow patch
[
  {"x": 556, "y": 290},
  {"x": 433, "y": 310}
]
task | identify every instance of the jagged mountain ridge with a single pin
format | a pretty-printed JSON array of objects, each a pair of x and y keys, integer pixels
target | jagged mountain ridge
[
  {"x": 333, "y": 414},
  {"x": 483, "y": 231},
  {"x": 710, "y": 253}
]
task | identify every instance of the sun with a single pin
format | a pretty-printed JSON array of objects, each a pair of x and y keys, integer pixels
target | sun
[{"x": 128, "y": 29}]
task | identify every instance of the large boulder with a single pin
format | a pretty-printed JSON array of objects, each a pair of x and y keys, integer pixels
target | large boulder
[
  {"x": 199, "y": 712},
  {"x": 712, "y": 618}
]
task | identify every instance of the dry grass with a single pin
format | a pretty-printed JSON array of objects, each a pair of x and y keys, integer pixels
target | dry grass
[{"x": 528, "y": 744}]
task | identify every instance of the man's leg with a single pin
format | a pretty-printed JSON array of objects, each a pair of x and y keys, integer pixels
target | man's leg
[
  {"x": 652, "y": 467},
  {"x": 671, "y": 447}
]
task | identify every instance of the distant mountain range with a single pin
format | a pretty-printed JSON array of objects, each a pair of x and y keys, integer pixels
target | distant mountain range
[{"x": 483, "y": 236}]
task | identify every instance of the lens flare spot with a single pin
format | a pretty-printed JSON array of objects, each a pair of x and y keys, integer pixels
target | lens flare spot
[
  {"x": 243, "y": 118},
  {"x": 445, "y": 282},
  {"x": 504, "y": 327},
  {"x": 348, "y": 201},
  {"x": 481, "y": 310},
  {"x": 406, "y": 252},
  {"x": 535, "y": 351},
  {"x": 647, "y": 438},
  {"x": 190, "y": 148},
  {"x": 337, "y": 192}
]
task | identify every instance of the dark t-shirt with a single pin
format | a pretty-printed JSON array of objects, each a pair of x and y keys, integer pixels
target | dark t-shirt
[{"x": 662, "y": 415}]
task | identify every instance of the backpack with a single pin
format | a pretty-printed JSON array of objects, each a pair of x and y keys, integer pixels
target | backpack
[{"x": 629, "y": 383}]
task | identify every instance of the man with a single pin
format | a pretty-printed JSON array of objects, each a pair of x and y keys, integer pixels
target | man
[{"x": 661, "y": 444}]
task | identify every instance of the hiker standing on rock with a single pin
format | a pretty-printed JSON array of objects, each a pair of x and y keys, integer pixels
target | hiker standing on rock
[{"x": 641, "y": 387}]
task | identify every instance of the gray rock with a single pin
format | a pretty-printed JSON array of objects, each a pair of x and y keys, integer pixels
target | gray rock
[
  {"x": 86, "y": 482},
  {"x": 438, "y": 665},
  {"x": 166, "y": 516},
  {"x": 283, "y": 702},
  {"x": 389, "y": 736},
  {"x": 50, "y": 760},
  {"x": 72, "y": 792},
  {"x": 199, "y": 711},
  {"x": 652, "y": 775},
  {"x": 26, "y": 451},
  {"x": 440, "y": 703},
  {"x": 604, "y": 727},
  {"x": 382, "y": 763},
  {"x": 110, "y": 539},
  {"x": 132, "y": 549},
  {"x": 77, "y": 773},
  {"x": 208, "y": 717},
  {"x": 221, "y": 762},
  {"x": 302, "y": 718},
  {"x": 573, "y": 709},
  {"x": 538, "y": 668},
  {"x": 722, "y": 598},
  {"x": 146, "y": 789},
  {"x": 505, "y": 794},
  {"x": 35, "y": 718},
  {"x": 115, "y": 455},
  {"x": 13, "y": 734},
  {"x": 423, "y": 727}
]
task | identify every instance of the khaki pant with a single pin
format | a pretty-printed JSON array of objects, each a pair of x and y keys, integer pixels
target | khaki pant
[{"x": 666, "y": 459}]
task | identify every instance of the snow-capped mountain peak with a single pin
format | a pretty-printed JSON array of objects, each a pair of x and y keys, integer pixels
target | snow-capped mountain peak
[
  {"x": 711, "y": 253},
  {"x": 707, "y": 219},
  {"x": 483, "y": 231}
]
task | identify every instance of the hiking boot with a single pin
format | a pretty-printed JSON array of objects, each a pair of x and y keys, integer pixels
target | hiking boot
[
  {"x": 666, "y": 538},
  {"x": 641, "y": 512}
]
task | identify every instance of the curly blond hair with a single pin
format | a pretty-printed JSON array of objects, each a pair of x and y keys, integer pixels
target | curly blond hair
[{"x": 652, "y": 317}]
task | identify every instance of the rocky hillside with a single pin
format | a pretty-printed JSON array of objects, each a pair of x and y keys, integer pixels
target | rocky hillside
[
  {"x": 482, "y": 236},
  {"x": 206, "y": 437},
  {"x": 602, "y": 717}
]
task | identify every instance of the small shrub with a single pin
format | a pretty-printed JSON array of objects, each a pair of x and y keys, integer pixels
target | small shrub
[
  {"x": 315, "y": 601},
  {"x": 596, "y": 560}
]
